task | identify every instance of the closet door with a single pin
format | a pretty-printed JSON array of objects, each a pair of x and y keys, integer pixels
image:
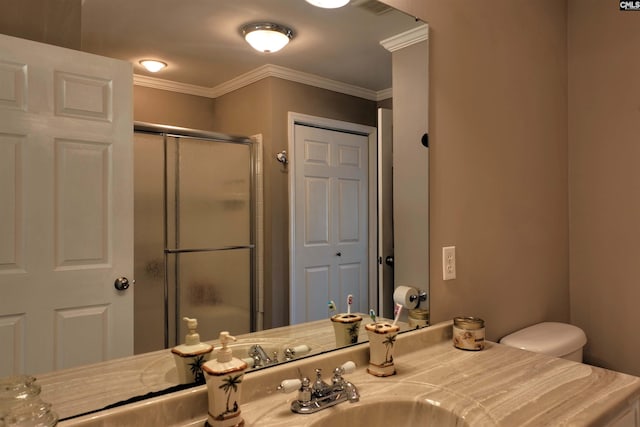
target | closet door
[{"x": 65, "y": 207}]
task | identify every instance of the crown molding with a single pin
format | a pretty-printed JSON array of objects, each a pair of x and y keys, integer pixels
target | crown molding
[
  {"x": 406, "y": 39},
  {"x": 156, "y": 83},
  {"x": 268, "y": 70},
  {"x": 384, "y": 94}
]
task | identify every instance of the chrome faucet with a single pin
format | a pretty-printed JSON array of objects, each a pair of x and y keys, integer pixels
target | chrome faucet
[
  {"x": 320, "y": 395},
  {"x": 259, "y": 356}
]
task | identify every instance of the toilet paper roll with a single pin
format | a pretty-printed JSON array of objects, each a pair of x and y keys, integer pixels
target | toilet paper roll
[{"x": 407, "y": 296}]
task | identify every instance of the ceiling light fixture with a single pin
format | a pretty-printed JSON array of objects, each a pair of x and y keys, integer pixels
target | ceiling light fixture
[
  {"x": 153, "y": 65},
  {"x": 267, "y": 37},
  {"x": 328, "y": 4}
]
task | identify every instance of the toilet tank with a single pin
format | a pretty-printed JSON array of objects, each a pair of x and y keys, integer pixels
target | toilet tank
[{"x": 551, "y": 338}]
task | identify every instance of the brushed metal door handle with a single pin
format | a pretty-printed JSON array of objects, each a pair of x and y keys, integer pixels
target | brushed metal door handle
[{"x": 122, "y": 283}]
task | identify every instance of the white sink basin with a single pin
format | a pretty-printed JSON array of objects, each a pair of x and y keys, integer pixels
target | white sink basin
[
  {"x": 398, "y": 413},
  {"x": 387, "y": 403}
]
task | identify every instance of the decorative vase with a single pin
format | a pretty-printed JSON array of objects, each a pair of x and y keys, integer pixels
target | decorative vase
[
  {"x": 382, "y": 339},
  {"x": 346, "y": 328}
]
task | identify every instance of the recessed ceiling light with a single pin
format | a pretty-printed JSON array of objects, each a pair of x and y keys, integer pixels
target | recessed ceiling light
[
  {"x": 153, "y": 65},
  {"x": 328, "y": 4},
  {"x": 267, "y": 37}
]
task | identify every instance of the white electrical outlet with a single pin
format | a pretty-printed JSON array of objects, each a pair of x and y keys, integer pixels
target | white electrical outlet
[{"x": 448, "y": 262}]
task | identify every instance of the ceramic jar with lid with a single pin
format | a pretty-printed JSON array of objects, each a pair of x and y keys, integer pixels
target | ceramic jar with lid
[{"x": 468, "y": 333}]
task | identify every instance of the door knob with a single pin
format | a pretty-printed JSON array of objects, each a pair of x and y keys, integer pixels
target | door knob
[
  {"x": 389, "y": 261},
  {"x": 122, "y": 283},
  {"x": 338, "y": 253}
]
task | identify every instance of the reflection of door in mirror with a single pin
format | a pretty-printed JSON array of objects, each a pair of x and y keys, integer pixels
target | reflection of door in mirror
[
  {"x": 385, "y": 212},
  {"x": 65, "y": 204},
  {"x": 329, "y": 257},
  {"x": 212, "y": 235},
  {"x": 194, "y": 223}
]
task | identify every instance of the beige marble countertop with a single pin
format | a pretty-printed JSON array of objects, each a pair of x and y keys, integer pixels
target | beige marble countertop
[
  {"x": 93, "y": 387},
  {"x": 499, "y": 386}
]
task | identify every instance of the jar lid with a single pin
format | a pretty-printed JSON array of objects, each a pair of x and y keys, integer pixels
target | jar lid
[
  {"x": 468, "y": 322},
  {"x": 18, "y": 387}
]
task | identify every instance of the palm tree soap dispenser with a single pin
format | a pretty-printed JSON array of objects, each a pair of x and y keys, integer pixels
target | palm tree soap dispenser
[
  {"x": 191, "y": 355},
  {"x": 224, "y": 378}
]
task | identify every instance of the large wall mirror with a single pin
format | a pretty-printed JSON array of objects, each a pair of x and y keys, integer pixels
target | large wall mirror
[{"x": 338, "y": 55}]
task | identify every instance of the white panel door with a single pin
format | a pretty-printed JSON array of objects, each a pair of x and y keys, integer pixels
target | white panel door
[
  {"x": 66, "y": 204},
  {"x": 331, "y": 224}
]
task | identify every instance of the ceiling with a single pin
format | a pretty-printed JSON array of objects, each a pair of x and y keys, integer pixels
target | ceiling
[{"x": 201, "y": 42}]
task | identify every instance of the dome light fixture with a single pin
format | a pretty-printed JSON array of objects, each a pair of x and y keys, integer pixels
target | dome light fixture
[
  {"x": 153, "y": 65},
  {"x": 328, "y": 4},
  {"x": 267, "y": 37}
]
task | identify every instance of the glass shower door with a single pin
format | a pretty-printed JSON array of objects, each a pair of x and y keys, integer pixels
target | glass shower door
[
  {"x": 149, "y": 243},
  {"x": 209, "y": 235}
]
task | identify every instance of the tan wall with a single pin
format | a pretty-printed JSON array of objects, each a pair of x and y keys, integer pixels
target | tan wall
[
  {"x": 386, "y": 103},
  {"x": 604, "y": 165},
  {"x": 54, "y": 22},
  {"x": 498, "y": 159},
  {"x": 171, "y": 108},
  {"x": 262, "y": 108}
]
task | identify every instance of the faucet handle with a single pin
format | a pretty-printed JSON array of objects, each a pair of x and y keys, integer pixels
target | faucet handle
[
  {"x": 303, "y": 387},
  {"x": 287, "y": 386},
  {"x": 299, "y": 350},
  {"x": 345, "y": 368},
  {"x": 348, "y": 367}
]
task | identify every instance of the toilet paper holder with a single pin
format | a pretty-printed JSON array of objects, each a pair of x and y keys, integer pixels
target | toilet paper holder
[
  {"x": 422, "y": 296},
  {"x": 409, "y": 296}
]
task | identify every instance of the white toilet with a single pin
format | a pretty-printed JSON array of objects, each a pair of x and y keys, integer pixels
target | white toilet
[{"x": 551, "y": 338}]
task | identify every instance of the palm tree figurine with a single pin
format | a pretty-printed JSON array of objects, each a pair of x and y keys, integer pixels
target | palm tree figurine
[
  {"x": 228, "y": 384},
  {"x": 388, "y": 343}
]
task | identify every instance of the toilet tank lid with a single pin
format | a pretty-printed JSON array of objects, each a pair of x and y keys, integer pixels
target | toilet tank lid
[{"x": 552, "y": 338}]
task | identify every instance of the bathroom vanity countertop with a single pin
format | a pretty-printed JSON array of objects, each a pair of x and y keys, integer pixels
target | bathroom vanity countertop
[
  {"x": 499, "y": 386},
  {"x": 93, "y": 387}
]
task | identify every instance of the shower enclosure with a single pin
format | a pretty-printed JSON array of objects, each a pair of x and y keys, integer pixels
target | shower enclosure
[{"x": 195, "y": 234}]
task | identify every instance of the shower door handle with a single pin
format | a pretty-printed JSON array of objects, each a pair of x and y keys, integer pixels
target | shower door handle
[{"x": 122, "y": 283}]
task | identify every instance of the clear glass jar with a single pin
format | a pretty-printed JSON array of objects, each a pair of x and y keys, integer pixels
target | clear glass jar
[{"x": 20, "y": 404}]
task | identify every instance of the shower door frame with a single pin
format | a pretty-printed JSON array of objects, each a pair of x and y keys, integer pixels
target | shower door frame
[{"x": 166, "y": 132}]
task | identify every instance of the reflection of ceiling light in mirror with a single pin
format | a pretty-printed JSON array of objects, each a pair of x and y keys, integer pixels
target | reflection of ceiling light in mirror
[
  {"x": 328, "y": 4},
  {"x": 266, "y": 37},
  {"x": 153, "y": 65}
]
